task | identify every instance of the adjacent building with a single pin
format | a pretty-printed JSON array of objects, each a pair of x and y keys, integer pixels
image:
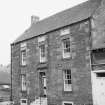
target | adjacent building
[
  {"x": 5, "y": 90},
  {"x": 61, "y": 60}
]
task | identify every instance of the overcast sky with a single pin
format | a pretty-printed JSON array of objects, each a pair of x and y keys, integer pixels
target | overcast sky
[{"x": 15, "y": 18}]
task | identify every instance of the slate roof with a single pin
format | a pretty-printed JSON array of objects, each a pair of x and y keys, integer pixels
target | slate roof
[{"x": 61, "y": 19}]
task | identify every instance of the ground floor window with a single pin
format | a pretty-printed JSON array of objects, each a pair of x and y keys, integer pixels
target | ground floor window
[
  {"x": 23, "y": 102},
  {"x": 67, "y": 80},
  {"x": 67, "y": 103}
]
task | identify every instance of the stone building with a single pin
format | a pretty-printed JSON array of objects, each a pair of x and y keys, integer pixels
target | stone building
[
  {"x": 61, "y": 60},
  {"x": 5, "y": 89}
]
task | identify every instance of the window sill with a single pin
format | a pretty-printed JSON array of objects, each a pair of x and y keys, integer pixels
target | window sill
[
  {"x": 23, "y": 65},
  {"x": 42, "y": 62},
  {"x": 23, "y": 91},
  {"x": 68, "y": 58},
  {"x": 67, "y": 92}
]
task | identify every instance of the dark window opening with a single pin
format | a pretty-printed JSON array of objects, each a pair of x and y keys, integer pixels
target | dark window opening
[
  {"x": 23, "y": 101},
  {"x": 101, "y": 74},
  {"x": 98, "y": 56},
  {"x": 67, "y": 103},
  {"x": 42, "y": 83}
]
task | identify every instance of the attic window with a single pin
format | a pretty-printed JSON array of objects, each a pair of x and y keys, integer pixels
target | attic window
[
  {"x": 98, "y": 56},
  {"x": 65, "y": 31}
]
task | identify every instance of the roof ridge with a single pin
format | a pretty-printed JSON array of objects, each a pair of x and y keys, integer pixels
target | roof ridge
[
  {"x": 66, "y": 17},
  {"x": 63, "y": 11}
]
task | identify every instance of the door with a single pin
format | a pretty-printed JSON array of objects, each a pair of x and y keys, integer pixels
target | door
[
  {"x": 99, "y": 88},
  {"x": 43, "y": 83}
]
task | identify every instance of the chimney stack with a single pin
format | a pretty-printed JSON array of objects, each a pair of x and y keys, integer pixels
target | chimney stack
[{"x": 34, "y": 19}]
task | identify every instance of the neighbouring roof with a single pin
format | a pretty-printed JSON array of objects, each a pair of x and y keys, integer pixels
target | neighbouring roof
[
  {"x": 64, "y": 18},
  {"x": 5, "y": 78}
]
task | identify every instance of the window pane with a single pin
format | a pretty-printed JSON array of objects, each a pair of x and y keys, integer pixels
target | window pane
[
  {"x": 23, "y": 82},
  {"x": 68, "y": 77},
  {"x": 69, "y": 81},
  {"x": 69, "y": 72},
  {"x": 23, "y": 101},
  {"x": 42, "y": 48},
  {"x": 66, "y": 81}
]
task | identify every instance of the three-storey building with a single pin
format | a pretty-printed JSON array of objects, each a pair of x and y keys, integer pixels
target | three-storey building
[{"x": 61, "y": 60}]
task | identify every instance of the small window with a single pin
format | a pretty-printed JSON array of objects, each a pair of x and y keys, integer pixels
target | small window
[
  {"x": 65, "y": 31},
  {"x": 67, "y": 103},
  {"x": 23, "y": 82},
  {"x": 102, "y": 74},
  {"x": 67, "y": 80},
  {"x": 66, "y": 47},
  {"x": 41, "y": 39},
  {"x": 23, "y": 102},
  {"x": 42, "y": 49}
]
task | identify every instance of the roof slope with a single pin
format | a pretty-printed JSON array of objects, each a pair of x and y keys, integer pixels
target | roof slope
[{"x": 69, "y": 16}]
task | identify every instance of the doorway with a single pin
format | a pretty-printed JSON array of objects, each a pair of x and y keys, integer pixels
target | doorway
[{"x": 98, "y": 87}]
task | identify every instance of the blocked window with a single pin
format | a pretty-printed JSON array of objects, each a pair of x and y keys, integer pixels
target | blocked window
[
  {"x": 67, "y": 80},
  {"x": 66, "y": 47},
  {"x": 23, "y": 82},
  {"x": 23, "y": 54},
  {"x": 98, "y": 56}
]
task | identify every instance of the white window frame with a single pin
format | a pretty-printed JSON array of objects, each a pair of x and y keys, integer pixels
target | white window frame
[
  {"x": 65, "y": 54},
  {"x": 23, "y": 50},
  {"x": 22, "y": 100},
  {"x": 67, "y": 87},
  {"x": 23, "y": 82},
  {"x": 69, "y": 102}
]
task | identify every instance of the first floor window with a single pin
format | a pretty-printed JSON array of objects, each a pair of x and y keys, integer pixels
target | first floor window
[
  {"x": 23, "y": 49},
  {"x": 66, "y": 47},
  {"x": 23, "y": 82},
  {"x": 23, "y": 57},
  {"x": 42, "y": 49},
  {"x": 67, "y": 80}
]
